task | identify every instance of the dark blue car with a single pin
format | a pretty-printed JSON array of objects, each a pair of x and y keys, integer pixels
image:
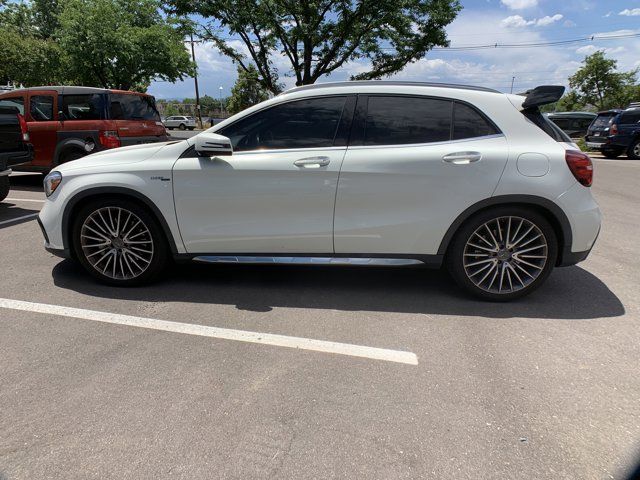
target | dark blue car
[{"x": 615, "y": 132}]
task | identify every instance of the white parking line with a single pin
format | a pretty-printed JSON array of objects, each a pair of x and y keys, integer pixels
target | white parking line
[
  {"x": 19, "y": 218},
  {"x": 373, "y": 353},
  {"x": 24, "y": 200}
]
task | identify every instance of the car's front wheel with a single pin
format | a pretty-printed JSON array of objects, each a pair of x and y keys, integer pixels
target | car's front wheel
[
  {"x": 182, "y": 126},
  {"x": 503, "y": 253},
  {"x": 119, "y": 242}
]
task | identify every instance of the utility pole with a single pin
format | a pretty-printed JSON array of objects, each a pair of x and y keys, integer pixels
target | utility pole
[
  {"x": 512, "y": 80},
  {"x": 195, "y": 78}
]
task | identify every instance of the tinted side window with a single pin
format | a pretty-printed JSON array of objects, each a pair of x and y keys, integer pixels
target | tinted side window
[
  {"x": 41, "y": 108},
  {"x": 306, "y": 123},
  {"x": 132, "y": 107},
  {"x": 470, "y": 123},
  {"x": 17, "y": 103},
  {"x": 630, "y": 117},
  {"x": 83, "y": 107},
  {"x": 404, "y": 120}
]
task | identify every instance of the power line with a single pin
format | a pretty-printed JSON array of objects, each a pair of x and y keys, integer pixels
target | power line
[{"x": 536, "y": 44}]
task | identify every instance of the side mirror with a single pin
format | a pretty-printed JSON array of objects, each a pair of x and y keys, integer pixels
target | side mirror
[{"x": 213, "y": 145}]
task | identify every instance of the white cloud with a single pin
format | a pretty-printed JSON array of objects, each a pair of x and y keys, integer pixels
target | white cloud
[
  {"x": 547, "y": 20},
  {"x": 519, "y": 4},
  {"x": 633, "y": 12},
  {"x": 517, "y": 21},
  {"x": 587, "y": 50},
  {"x": 569, "y": 23}
]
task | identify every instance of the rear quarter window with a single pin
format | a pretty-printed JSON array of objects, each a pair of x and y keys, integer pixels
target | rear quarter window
[
  {"x": 132, "y": 107},
  {"x": 470, "y": 123},
  {"x": 630, "y": 118},
  {"x": 603, "y": 121}
]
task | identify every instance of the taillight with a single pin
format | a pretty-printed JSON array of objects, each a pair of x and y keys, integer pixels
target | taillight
[
  {"x": 613, "y": 130},
  {"x": 109, "y": 139},
  {"x": 23, "y": 128},
  {"x": 581, "y": 166}
]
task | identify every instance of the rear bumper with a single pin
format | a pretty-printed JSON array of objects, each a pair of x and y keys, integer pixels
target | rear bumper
[{"x": 12, "y": 159}]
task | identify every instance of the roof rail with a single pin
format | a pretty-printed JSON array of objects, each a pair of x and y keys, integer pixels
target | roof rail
[{"x": 388, "y": 83}]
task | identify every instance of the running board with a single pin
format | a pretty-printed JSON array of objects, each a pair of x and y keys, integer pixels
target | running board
[{"x": 385, "y": 262}]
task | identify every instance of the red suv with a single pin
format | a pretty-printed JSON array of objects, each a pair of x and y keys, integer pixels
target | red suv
[{"x": 66, "y": 123}]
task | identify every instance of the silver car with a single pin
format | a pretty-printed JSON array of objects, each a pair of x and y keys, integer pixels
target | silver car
[{"x": 180, "y": 121}]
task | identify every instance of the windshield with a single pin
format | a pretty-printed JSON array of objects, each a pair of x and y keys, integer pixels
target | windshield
[
  {"x": 546, "y": 125},
  {"x": 603, "y": 120}
]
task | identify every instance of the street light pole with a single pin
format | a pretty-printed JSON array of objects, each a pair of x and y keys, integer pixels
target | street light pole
[
  {"x": 512, "y": 80},
  {"x": 221, "y": 105},
  {"x": 195, "y": 78}
]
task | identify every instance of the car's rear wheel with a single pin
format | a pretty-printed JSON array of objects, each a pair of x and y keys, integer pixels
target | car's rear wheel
[
  {"x": 4, "y": 187},
  {"x": 634, "y": 150},
  {"x": 503, "y": 253},
  {"x": 119, "y": 242}
]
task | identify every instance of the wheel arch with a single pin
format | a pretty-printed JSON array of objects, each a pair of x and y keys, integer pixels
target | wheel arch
[
  {"x": 66, "y": 146},
  {"x": 81, "y": 198},
  {"x": 551, "y": 211}
]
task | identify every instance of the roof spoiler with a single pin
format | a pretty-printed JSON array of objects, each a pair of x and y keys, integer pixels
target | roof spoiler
[{"x": 542, "y": 95}]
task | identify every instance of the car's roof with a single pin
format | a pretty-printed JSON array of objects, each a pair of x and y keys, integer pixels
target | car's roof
[
  {"x": 72, "y": 90},
  {"x": 572, "y": 114},
  {"x": 355, "y": 84},
  {"x": 613, "y": 111}
]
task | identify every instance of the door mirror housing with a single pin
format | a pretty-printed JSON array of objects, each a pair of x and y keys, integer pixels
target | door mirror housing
[{"x": 212, "y": 145}]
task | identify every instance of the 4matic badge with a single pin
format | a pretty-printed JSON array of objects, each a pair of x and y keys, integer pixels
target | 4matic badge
[{"x": 161, "y": 178}]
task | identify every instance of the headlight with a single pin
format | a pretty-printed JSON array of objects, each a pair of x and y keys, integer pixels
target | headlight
[{"x": 51, "y": 182}]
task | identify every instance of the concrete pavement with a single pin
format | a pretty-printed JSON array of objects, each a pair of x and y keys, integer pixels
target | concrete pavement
[{"x": 546, "y": 387}]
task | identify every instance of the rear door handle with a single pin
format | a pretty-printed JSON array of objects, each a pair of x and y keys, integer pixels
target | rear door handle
[
  {"x": 462, "y": 158},
  {"x": 312, "y": 162}
]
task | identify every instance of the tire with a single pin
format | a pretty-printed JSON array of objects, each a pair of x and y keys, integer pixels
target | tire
[
  {"x": 182, "y": 126},
  {"x": 70, "y": 156},
  {"x": 611, "y": 153},
  {"x": 4, "y": 187},
  {"x": 634, "y": 150},
  {"x": 119, "y": 262},
  {"x": 169, "y": 128},
  {"x": 493, "y": 277},
  {"x": 192, "y": 128}
]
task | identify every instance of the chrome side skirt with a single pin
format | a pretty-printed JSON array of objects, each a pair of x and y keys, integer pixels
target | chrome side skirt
[{"x": 385, "y": 262}]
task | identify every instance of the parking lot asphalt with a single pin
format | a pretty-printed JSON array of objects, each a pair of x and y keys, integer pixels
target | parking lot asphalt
[{"x": 545, "y": 387}]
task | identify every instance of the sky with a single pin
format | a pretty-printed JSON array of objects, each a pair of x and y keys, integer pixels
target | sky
[{"x": 480, "y": 22}]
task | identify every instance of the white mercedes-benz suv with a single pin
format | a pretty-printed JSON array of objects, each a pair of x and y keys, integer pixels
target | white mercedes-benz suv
[{"x": 352, "y": 173}]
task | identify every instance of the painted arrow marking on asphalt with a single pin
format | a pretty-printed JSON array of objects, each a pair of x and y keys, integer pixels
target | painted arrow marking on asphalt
[{"x": 374, "y": 353}]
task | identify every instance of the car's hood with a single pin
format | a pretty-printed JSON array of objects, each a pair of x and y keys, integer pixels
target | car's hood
[{"x": 115, "y": 156}]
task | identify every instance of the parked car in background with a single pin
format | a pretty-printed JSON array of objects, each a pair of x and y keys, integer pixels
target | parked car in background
[
  {"x": 15, "y": 148},
  {"x": 348, "y": 173},
  {"x": 67, "y": 123},
  {"x": 180, "y": 121},
  {"x": 615, "y": 132},
  {"x": 574, "y": 124}
]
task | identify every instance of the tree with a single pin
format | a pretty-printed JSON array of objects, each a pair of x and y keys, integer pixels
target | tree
[
  {"x": 121, "y": 44},
  {"x": 316, "y": 37},
  {"x": 598, "y": 83},
  {"x": 247, "y": 90}
]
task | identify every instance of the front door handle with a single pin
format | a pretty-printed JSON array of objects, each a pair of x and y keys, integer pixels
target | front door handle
[
  {"x": 462, "y": 158},
  {"x": 312, "y": 162}
]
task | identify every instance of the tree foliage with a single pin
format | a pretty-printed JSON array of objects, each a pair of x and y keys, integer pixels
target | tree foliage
[
  {"x": 106, "y": 43},
  {"x": 598, "y": 83},
  {"x": 247, "y": 90},
  {"x": 316, "y": 37}
]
